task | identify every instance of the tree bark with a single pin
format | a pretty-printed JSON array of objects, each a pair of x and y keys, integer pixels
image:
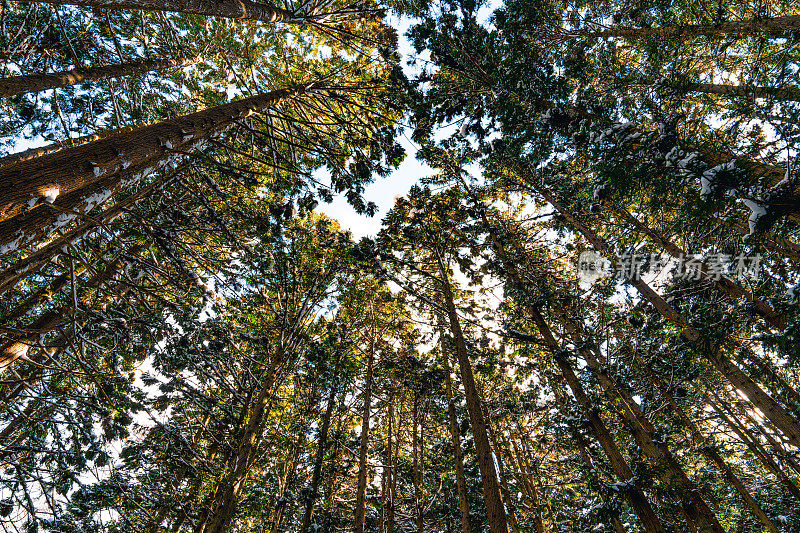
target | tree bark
[
  {"x": 29, "y": 83},
  {"x": 30, "y": 183},
  {"x": 361, "y": 493},
  {"x": 235, "y": 9},
  {"x": 461, "y": 480},
  {"x": 491, "y": 488}
]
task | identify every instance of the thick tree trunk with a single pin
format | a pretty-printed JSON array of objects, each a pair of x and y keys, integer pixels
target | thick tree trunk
[
  {"x": 774, "y": 27},
  {"x": 39, "y": 82},
  {"x": 708, "y": 450},
  {"x": 235, "y": 9},
  {"x": 669, "y": 470},
  {"x": 461, "y": 480},
  {"x": 491, "y": 488},
  {"x": 30, "y": 183},
  {"x": 635, "y": 496},
  {"x": 361, "y": 491},
  {"x": 316, "y": 476}
]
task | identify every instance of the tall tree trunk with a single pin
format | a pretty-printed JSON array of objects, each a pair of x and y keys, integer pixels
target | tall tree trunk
[
  {"x": 708, "y": 450},
  {"x": 773, "y": 27},
  {"x": 635, "y": 496},
  {"x": 491, "y": 488},
  {"x": 318, "y": 462},
  {"x": 236, "y": 9},
  {"x": 775, "y": 412},
  {"x": 416, "y": 467},
  {"x": 391, "y": 464},
  {"x": 39, "y": 82},
  {"x": 30, "y": 183},
  {"x": 461, "y": 480},
  {"x": 230, "y": 487},
  {"x": 724, "y": 284},
  {"x": 361, "y": 491},
  {"x": 526, "y": 475},
  {"x": 755, "y": 447},
  {"x": 644, "y": 433}
]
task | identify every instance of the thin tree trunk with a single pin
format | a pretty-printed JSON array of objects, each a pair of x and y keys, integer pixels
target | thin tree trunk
[
  {"x": 755, "y": 448},
  {"x": 491, "y": 488},
  {"x": 236, "y": 9},
  {"x": 39, "y": 82},
  {"x": 231, "y": 485},
  {"x": 361, "y": 493},
  {"x": 416, "y": 467},
  {"x": 635, "y": 496},
  {"x": 318, "y": 462},
  {"x": 461, "y": 480},
  {"x": 709, "y": 450},
  {"x": 669, "y": 470},
  {"x": 723, "y": 284},
  {"x": 773, "y": 27},
  {"x": 30, "y": 183},
  {"x": 391, "y": 465}
]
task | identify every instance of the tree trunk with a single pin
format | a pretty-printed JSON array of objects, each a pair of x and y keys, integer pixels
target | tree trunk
[
  {"x": 708, "y": 450},
  {"x": 775, "y": 412},
  {"x": 52, "y": 319},
  {"x": 461, "y": 480},
  {"x": 669, "y": 470},
  {"x": 774, "y": 27},
  {"x": 635, "y": 496},
  {"x": 724, "y": 284},
  {"x": 39, "y": 82},
  {"x": 491, "y": 488},
  {"x": 361, "y": 493},
  {"x": 30, "y": 183},
  {"x": 318, "y": 462},
  {"x": 416, "y": 467},
  {"x": 230, "y": 487},
  {"x": 392, "y": 472},
  {"x": 235, "y": 9},
  {"x": 755, "y": 448}
]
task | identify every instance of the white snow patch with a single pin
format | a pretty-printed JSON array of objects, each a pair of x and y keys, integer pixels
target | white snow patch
[{"x": 50, "y": 194}]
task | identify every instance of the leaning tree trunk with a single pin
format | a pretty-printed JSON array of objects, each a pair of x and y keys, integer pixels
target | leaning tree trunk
[
  {"x": 230, "y": 487},
  {"x": 637, "y": 499},
  {"x": 491, "y": 488},
  {"x": 360, "y": 517},
  {"x": 774, "y": 411},
  {"x": 127, "y": 157},
  {"x": 773, "y": 27},
  {"x": 235, "y": 9},
  {"x": 708, "y": 450},
  {"x": 30, "y": 83},
  {"x": 644, "y": 433}
]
